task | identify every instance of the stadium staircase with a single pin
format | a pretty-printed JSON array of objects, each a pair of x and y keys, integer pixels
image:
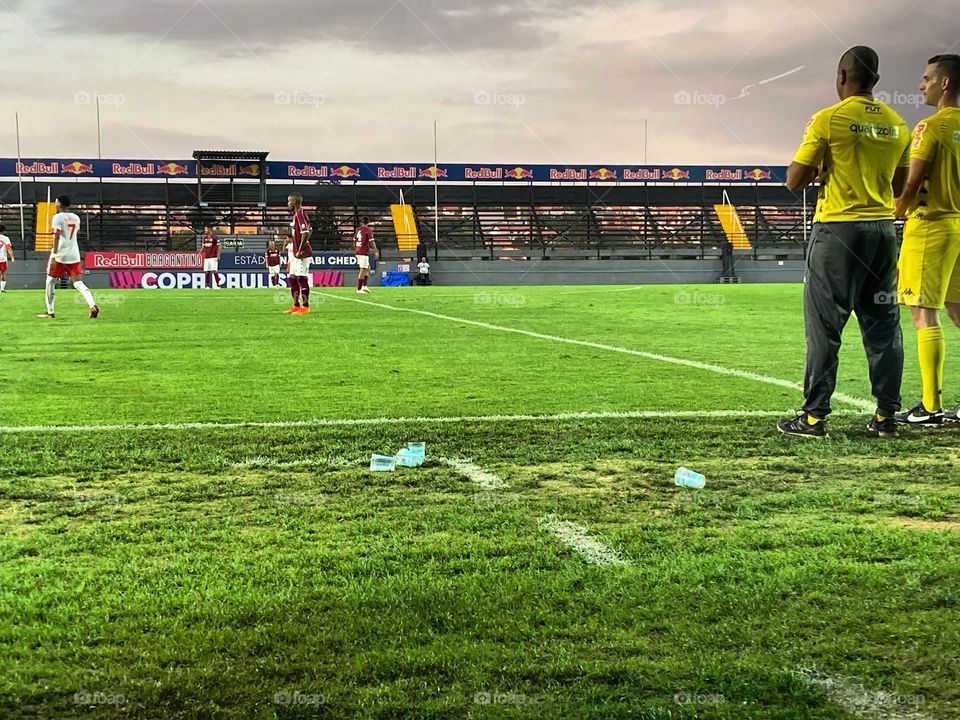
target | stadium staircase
[
  {"x": 732, "y": 227},
  {"x": 405, "y": 226}
]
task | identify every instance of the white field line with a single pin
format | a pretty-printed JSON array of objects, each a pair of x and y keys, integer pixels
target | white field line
[
  {"x": 851, "y": 696},
  {"x": 578, "y": 539},
  {"x": 858, "y": 403},
  {"x": 351, "y": 422},
  {"x": 484, "y": 478}
]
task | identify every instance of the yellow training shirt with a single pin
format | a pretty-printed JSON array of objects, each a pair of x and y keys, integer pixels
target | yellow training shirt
[
  {"x": 937, "y": 140},
  {"x": 857, "y": 144}
]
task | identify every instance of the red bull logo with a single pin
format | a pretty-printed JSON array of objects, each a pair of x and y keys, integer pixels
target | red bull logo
[
  {"x": 484, "y": 173},
  {"x": 603, "y": 174},
  {"x": 641, "y": 174},
  {"x": 724, "y": 174},
  {"x": 133, "y": 168},
  {"x": 433, "y": 172},
  {"x": 568, "y": 174},
  {"x": 252, "y": 170},
  {"x": 173, "y": 169},
  {"x": 758, "y": 174},
  {"x": 519, "y": 173},
  {"x": 218, "y": 170},
  {"x": 677, "y": 174},
  {"x": 77, "y": 168},
  {"x": 345, "y": 171},
  {"x": 37, "y": 168},
  {"x": 308, "y": 171},
  {"x": 397, "y": 173}
]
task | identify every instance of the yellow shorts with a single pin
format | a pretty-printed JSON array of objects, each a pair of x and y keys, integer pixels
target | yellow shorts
[{"x": 928, "y": 271}]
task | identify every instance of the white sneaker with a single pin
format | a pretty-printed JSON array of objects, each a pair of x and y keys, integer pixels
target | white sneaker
[{"x": 364, "y": 291}]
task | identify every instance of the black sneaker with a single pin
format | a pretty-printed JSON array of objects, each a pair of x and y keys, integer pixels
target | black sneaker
[
  {"x": 886, "y": 428},
  {"x": 919, "y": 415},
  {"x": 951, "y": 416},
  {"x": 801, "y": 427}
]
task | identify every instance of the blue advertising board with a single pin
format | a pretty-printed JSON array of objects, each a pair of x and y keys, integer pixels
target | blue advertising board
[{"x": 393, "y": 172}]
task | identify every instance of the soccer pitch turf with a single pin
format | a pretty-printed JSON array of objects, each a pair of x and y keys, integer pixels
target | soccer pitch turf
[{"x": 220, "y": 549}]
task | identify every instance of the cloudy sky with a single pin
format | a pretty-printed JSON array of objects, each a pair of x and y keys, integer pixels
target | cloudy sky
[{"x": 565, "y": 81}]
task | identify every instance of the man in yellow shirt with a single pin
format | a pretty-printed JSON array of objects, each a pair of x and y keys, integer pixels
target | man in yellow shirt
[
  {"x": 929, "y": 271},
  {"x": 859, "y": 150}
]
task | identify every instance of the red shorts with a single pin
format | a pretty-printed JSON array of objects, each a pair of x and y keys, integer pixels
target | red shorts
[
  {"x": 58, "y": 269},
  {"x": 3, "y": 267}
]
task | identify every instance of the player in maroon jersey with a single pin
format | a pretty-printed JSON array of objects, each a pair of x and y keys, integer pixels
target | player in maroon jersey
[
  {"x": 362, "y": 240},
  {"x": 300, "y": 257},
  {"x": 272, "y": 260},
  {"x": 211, "y": 258}
]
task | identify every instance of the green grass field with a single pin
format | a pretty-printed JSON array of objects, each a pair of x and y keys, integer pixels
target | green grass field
[{"x": 233, "y": 557}]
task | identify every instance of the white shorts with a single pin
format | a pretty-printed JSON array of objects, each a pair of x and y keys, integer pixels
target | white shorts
[
  {"x": 210, "y": 264},
  {"x": 300, "y": 266},
  {"x": 363, "y": 261},
  {"x": 273, "y": 270}
]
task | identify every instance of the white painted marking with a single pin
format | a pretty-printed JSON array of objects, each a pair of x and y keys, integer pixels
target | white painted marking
[
  {"x": 578, "y": 539},
  {"x": 853, "y": 697},
  {"x": 350, "y": 422},
  {"x": 858, "y": 403},
  {"x": 484, "y": 478}
]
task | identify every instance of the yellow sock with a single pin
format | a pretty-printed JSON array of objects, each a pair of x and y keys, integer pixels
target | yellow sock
[
  {"x": 931, "y": 350},
  {"x": 811, "y": 420}
]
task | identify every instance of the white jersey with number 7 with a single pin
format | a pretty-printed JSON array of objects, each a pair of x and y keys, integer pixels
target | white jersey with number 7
[{"x": 68, "y": 225}]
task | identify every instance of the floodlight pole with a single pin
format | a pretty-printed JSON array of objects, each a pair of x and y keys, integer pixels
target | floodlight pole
[{"x": 23, "y": 231}]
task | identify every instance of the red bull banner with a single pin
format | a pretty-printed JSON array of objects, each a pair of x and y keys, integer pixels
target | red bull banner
[
  {"x": 395, "y": 172},
  {"x": 142, "y": 260}
]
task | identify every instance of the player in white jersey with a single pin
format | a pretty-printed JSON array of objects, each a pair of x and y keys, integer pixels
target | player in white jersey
[
  {"x": 6, "y": 255},
  {"x": 65, "y": 257}
]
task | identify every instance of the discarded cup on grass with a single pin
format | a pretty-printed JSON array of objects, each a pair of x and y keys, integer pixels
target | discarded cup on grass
[
  {"x": 688, "y": 478},
  {"x": 382, "y": 463},
  {"x": 405, "y": 458},
  {"x": 418, "y": 449}
]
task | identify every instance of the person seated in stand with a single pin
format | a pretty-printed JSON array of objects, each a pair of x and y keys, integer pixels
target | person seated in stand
[{"x": 423, "y": 272}]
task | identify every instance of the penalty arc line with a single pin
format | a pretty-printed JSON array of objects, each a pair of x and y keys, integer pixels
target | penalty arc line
[
  {"x": 858, "y": 403},
  {"x": 576, "y": 537}
]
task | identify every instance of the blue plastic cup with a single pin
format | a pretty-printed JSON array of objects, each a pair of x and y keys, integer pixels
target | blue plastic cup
[
  {"x": 382, "y": 463},
  {"x": 688, "y": 478},
  {"x": 405, "y": 458},
  {"x": 418, "y": 449}
]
